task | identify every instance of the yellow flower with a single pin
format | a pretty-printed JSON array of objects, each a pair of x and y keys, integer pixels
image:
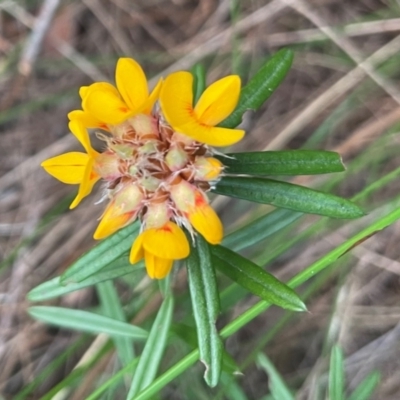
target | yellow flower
[
  {"x": 103, "y": 104},
  {"x": 214, "y": 105},
  {"x": 160, "y": 247},
  {"x": 157, "y": 164},
  {"x": 75, "y": 167}
]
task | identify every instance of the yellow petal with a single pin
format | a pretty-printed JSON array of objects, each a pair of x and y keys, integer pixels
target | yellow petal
[
  {"x": 137, "y": 251},
  {"x": 149, "y": 103},
  {"x": 112, "y": 220},
  {"x": 80, "y": 132},
  {"x": 168, "y": 241},
  {"x": 206, "y": 221},
  {"x": 86, "y": 186},
  {"x": 83, "y": 91},
  {"x": 106, "y": 106},
  {"x": 176, "y": 98},
  {"x": 218, "y": 101},
  {"x": 211, "y": 135},
  {"x": 68, "y": 168},
  {"x": 157, "y": 268},
  {"x": 131, "y": 83},
  {"x": 88, "y": 120}
]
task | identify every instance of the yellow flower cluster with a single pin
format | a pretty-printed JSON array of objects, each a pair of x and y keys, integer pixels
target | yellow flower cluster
[{"x": 158, "y": 163}]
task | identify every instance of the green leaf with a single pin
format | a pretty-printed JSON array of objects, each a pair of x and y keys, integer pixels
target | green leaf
[
  {"x": 277, "y": 386},
  {"x": 153, "y": 349},
  {"x": 261, "y": 86},
  {"x": 101, "y": 255},
  {"x": 260, "y": 229},
  {"x": 366, "y": 387},
  {"x": 231, "y": 388},
  {"x": 113, "y": 380},
  {"x": 206, "y": 307},
  {"x": 255, "y": 279},
  {"x": 85, "y": 321},
  {"x": 287, "y": 195},
  {"x": 112, "y": 307},
  {"x": 336, "y": 375},
  {"x": 54, "y": 288},
  {"x": 291, "y": 162},
  {"x": 199, "y": 81}
]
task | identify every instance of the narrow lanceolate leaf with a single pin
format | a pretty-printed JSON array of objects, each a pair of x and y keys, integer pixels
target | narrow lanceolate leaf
[
  {"x": 287, "y": 195},
  {"x": 112, "y": 307},
  {"x": 255, "y": 279},
  {"x": 86, "y": 321},
  {"x": 153, "y": 350},
  {"x": 292, "y": 162},
  {"x": 101, "y": 255},
  {"x": 277, "y": 385},
  {"x": 336, "y": 375},
  {"x": 260, "y": 229},
  {"x": 261, "y": 86},
  {"x": 205, "y": 305},
  {"x": 366, "y": 387},
  {"x": 54, "y": 288}
]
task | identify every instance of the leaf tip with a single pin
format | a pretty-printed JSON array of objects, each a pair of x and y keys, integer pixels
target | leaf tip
[{"x": 299, "y": 307}]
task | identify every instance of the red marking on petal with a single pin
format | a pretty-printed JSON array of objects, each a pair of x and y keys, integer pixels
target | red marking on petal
[
  {"x": 166, "y": 228},
  {"x": 199, "y": 200}
]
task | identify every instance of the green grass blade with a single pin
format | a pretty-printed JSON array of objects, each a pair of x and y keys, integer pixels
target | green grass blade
[
  {"x": 277, "y": 386},
  {"x": 366, "y": 388},
  {"x": 287, "y": 195},
  {"x": 260, "y": 229},
  {"x": 86, "y": 321},
  {"x": 113, "y": 380},
  {"x": 107, "y": 251},
  {"x": 231, "y": 388},
  {"x": 54, "y": 288},
  {"x": 206, "y": 308},
  {"x": 261, "y": 86},
  {"x": 291, "y": 162},
  {"x": 112, "y": 307},
  {"x": 336, "y": 374},
  {"x": 255, "y": 279},
  {"x": 153, "y": 350}
]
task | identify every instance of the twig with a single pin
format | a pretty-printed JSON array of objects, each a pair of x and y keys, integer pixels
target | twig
[{"x": 32, "y": 48}]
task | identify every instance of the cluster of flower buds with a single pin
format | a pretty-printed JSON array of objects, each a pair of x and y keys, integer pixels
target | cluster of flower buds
[{"x": 157, "y": 164}]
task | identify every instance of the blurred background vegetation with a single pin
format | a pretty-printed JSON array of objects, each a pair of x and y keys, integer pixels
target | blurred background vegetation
[{"x": 341, "y": 94}]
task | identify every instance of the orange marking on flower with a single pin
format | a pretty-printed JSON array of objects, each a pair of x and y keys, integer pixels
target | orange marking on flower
[
  {"x": 199, "y": 200},
  {"x": 166, "y": 228},
  {"x": 93, "y": 175}
]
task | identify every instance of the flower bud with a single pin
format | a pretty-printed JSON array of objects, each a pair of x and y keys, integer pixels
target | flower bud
[
  {"x": 183, "y": 195},
  {"x": 107, "y": 165},
  {"x": 150, "y": 183},
  {"x": 176, "y": 158},
  {"x": 145, "y": 126},
  {"x": 157, "y": 215},
  {"x": 207, "y": 168},
  {"x": 128, "y": 198},
  {"x": 123, "y": 150}
]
